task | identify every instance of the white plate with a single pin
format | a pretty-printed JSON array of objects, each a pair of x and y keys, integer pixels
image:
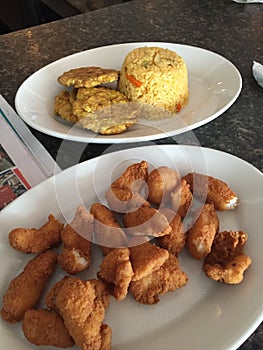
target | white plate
[
  {"x": 214, "y": 85},
  {"x": 203, "y": 314}
]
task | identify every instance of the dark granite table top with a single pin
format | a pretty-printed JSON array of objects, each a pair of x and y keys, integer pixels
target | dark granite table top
[{"x": 225, "y": 27}]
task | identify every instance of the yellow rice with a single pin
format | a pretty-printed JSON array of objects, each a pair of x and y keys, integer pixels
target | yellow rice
[{"x": 155, "y": 76}]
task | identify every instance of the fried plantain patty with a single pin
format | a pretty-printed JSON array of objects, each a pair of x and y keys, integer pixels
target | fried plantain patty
[
  {"x": 63, "y": 105},
  {"x": 88, "y": 77},
  {"x": 101, "y": 110},
  {"x": 90, "y": 100}
]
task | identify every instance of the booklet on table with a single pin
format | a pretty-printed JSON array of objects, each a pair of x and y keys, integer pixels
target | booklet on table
[{"x": 24, "y": 162}]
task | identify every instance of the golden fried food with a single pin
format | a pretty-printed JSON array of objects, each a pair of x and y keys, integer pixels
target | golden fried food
[
  {"x": 46, "y": 327},
  {"x": 88, "y": 76},
  {"x": 106, "y": 335},
  {"x": 146, "y": 221},
  {"x": 175, "y": 241},
  {"x": 124, "y": 193},
  {"x": 146, "y": 258},
  {"x": 76, "y": 237},
  {"x": 82, "y": 306},
  {"x": 25, "y": 290},
  {"x": 213, "y": 190},
  {"x": 91, "y": 100},
  {"x": 167, "y": 278},
  {"x": 32, "y": 240},
  {"x": 181, "y": 198},
  {"x": 50, "y": 298},
  {"x": 201, "y": 235},
  {"x": 101, "y": 110},
  {"x": 161, "y": 182},
  {"x": 111, "y": 120},
  {"x": 63, "y": 105},
  {"x": 227, "y": 262},
  {"x": 116, "y": 270},
  {"x": 108, "y": 233}
]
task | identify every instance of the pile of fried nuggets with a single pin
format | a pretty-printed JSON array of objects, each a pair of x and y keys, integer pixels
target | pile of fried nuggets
[{"x": 141, "y": 234}]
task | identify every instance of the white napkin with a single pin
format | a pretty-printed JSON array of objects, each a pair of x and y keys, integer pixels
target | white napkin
[
  {"x": 257, "y": 70},
  {"x": 247, "y": 1}
]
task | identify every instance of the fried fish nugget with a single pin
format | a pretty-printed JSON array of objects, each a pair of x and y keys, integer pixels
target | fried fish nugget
[
  {"x": 167, "y": 278},
  {"x": 32, "y": 240},
  {"x": 46, "y": 327},
  {"x": 76, "y": 237},
  {"x": 146, "y": 221},
  {"x": 201, "y": 235},
  {"x": 146, "y": 258},
  {"x": 106, "y": 336},
  {"x": 82, "y": 308},
  {"x": 161, "y": 182},
  {"x": 108, "y": 233},
  {"x": 175, "y": 241},
  {"x": 181, "y": 198},
  {"x": 124, "y": 193},
  {"x": 50, "y": 298},
  {"x": 88, "y": 76},
  {"x": 116, "y": 270},
  {"x": 25, "y": 290},
  {"x": 214, "y": 190},
  {"x": 227, "y": 262}
]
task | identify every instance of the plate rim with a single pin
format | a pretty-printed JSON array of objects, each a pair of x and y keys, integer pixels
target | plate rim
[{"x": 102, "y": 139}]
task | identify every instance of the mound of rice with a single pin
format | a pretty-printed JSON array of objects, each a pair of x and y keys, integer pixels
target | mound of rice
[{"x": 155, "y": 76}]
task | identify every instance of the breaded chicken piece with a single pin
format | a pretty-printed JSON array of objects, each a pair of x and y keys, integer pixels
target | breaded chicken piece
[
  {"x": 50, "y": 298},
  {"x": 33, "y": 240},
  {"x": 213, "y": 190},
  {"x": 88, "y": 76},
  {"x": 63, "y": 105},
  {"x": 124, "y": 193},
  {"x": 106, "y": 336},
  {"x": 161, "y": 182},
  {"x": 201, "y": 235},
  {"x": 116, "y": 270},
  {"x": 227, "y": 261},
  {"x": 146, "y": 258},
  {"x": 76, "y": 237},
  {"x": 167, "y": 278},
  {"x": 25, "y": 290},
  {"x": 46, "y": 327},
  {"x": 181, "y": 198},
  {"x": 175, "y": 241},
  {"x": 102, "y": 291},
  {"x": 82, "y": 306},
  {"x": 108, "y": 233},
  {"x": 147, "y": 221}
]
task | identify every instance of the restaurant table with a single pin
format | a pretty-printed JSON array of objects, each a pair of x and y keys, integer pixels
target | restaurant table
[{"x": 232, "y": 30}]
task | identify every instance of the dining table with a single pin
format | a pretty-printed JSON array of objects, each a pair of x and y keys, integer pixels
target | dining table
[{"x": 230, "y": 29}]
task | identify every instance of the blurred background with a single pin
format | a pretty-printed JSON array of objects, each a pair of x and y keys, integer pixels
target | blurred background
[{"x": 20, "y": 14}]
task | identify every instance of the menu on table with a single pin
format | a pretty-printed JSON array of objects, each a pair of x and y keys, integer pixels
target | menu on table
[{"x": 24, "y": 162}]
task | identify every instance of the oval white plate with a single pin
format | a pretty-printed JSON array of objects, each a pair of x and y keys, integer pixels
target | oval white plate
[
  {"x": 214, "y": 85},
  {"x": 203, "y": 314}
]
